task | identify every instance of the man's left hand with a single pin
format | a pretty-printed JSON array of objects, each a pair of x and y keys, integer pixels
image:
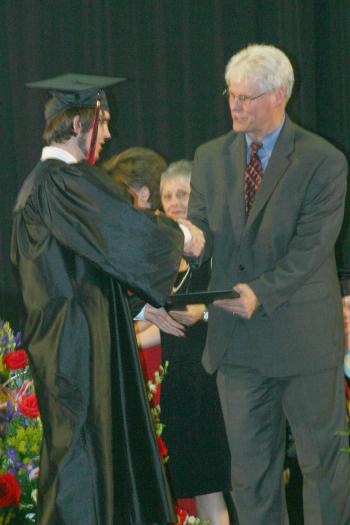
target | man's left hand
[
  {"x": 244, "y": 306},
  {"x": 190, "y": 316}
]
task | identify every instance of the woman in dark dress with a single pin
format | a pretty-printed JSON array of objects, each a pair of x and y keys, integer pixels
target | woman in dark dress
[{"x": 199, "y": 459}]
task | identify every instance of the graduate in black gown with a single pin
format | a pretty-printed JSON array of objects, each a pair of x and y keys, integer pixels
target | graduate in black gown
[{"x": 77, "y": 244}]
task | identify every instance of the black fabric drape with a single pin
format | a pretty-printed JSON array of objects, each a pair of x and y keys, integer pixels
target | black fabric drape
[{"x": 174, "y": 53}]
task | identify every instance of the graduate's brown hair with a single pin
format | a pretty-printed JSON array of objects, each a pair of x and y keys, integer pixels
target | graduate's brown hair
[{"x": 60, "y": 128}]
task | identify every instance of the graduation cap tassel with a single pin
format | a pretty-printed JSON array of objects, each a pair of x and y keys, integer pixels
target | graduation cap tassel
[{"x": 92, "y": 148}]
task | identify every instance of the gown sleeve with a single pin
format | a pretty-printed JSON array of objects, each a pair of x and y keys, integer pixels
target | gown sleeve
[{"x": 90, "y": 214}]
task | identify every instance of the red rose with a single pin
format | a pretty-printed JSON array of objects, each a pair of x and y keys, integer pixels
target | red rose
[
  {"x": 28, "y": 405},
  {"x": 162, "y": 447},
  {"x": 10, "y": 490},
  {"x": 181, "y": 515},
  {"x": 17, "y": 359}
]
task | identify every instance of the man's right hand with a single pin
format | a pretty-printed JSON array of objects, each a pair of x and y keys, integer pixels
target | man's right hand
[
  {"x": 162, "y": 319},
  {"x": 195, "y": 246}
]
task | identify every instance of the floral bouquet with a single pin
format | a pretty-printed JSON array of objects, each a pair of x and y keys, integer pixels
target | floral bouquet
[
  {"x": 184, "y": 518},
  {"x": 20, "y": 433}
]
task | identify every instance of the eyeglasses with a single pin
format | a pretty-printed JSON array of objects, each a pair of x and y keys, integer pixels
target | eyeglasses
[{"x": 243, "y": 99}]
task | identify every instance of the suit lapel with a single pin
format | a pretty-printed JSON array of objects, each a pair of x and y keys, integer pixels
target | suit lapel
[
  {"x": 234, "y": 159},
  {"x": 276, "y": 168}
]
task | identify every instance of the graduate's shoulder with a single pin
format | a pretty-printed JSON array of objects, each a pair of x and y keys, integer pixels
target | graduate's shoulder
[
  {"x": 84, "y": 174},
  {"x": 51, "y": 175},
  {"x": 35, "y": 180}
]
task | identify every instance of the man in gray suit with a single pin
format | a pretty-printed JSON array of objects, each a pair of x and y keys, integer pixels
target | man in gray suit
[{"x": 269, "y": 197}]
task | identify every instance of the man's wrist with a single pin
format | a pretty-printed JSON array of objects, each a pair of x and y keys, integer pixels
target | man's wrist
[{"x": 186, "y": 232}]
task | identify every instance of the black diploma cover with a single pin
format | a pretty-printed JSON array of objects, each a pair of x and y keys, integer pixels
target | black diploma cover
[{"x": 179, "y": 301}]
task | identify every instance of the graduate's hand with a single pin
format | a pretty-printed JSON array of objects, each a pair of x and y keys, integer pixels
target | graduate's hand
[
  {"x": 244, "y": 305},
  {"x": 162, "y": 319},
  {"x": 195, "y": 246},
  {"x": 190, "y": 316}
]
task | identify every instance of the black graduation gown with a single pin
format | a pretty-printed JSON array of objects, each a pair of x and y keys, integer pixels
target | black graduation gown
[{"x": 77, "y": 243}]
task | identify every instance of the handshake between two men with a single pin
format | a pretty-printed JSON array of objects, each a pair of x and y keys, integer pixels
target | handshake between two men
[
  {"x": 194, "y": 238},
  {"x": 175, "y": 321}
]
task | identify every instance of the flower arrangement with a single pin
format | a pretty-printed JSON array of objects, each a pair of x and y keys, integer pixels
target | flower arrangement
[
  {"x": 20, "y": 433},
  {"x": 184, "y": 518}
]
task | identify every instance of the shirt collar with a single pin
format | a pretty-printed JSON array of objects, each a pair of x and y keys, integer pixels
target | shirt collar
[
  {"x": 53, "y": 152},
  {"x": 269, "y": 140}
]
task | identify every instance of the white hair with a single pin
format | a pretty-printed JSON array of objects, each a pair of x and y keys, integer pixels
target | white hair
[
  {"x": 267, "y": 66},
  {"x": 180, "y": 169}
]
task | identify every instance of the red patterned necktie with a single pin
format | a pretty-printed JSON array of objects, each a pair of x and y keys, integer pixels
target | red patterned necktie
[{"x": 252, "y": 176}]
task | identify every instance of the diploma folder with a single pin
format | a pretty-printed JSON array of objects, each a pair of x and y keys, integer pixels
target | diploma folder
[{"x": 180, "y": 300}]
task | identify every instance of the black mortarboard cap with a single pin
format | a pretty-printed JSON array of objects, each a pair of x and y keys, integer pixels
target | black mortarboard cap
[{"x": 74, "y": 90}]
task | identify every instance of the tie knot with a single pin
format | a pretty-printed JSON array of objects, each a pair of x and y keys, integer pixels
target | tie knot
[{"x": 254, "y": 148}]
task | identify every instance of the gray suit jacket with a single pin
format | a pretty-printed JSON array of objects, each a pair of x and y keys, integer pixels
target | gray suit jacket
[{"x": 284, "y": 251}]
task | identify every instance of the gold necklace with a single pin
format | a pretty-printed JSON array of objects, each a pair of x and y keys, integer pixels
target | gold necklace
[{"x": 176, "y": 288}]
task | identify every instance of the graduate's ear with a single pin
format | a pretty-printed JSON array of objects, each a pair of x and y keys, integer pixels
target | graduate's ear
[{"x": 76, "y": 123}]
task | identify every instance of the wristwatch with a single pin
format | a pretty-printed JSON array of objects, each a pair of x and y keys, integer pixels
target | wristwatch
[{"x": 205, "y": 316}]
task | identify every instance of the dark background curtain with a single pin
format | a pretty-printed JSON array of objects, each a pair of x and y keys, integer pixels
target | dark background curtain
[{"x": 174, "y": 53}]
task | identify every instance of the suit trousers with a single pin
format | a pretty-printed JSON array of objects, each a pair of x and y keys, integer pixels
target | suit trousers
[{"x": 255, "y": 409}]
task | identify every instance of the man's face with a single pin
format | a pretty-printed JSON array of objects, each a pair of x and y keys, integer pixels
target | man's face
[
  {"x": 256, "y": 117},
  {"x": 103, "y": 134},
  {"x": 175, "y": 195}
]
